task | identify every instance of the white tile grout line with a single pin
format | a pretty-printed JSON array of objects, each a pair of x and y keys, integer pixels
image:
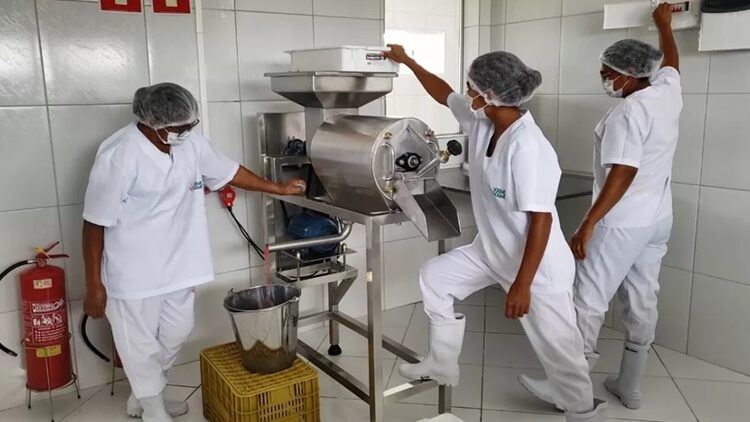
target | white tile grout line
[
  {"x": 674, "y": 382},
  {"x": 698, "y": 212},
  {"x": 484, "y": 336},
  {"x": 81, "y": 401}
]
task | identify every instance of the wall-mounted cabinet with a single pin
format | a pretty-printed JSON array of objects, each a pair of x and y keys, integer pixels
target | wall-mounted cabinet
[{"x": 724, "y": 24}]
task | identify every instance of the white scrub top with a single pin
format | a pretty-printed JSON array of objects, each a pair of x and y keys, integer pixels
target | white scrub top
[
  {"x": 521, "y": 176},
  {"x": 642, "y": 132},
  {"x": 152, "y": 207}
]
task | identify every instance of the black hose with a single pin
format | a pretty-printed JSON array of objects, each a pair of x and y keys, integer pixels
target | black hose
[
  {"x": 246, "y": 235},
  {"x": 2, "y": 275},
  {"x": 87, "y": 342}
]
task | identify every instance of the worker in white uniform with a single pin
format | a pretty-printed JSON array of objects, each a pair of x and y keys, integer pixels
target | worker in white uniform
[
  {"x": 514, "y": 180},
  {"x": 145, "y": 236},
  {"x": 623, "y": 237}
]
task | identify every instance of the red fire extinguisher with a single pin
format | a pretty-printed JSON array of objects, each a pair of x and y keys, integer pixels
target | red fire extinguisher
[{"x": 46, "y": 338}]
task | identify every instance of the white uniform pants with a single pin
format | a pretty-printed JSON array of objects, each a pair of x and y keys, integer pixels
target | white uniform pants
[
  {"x": 627, "y": 262},
  {"x": 550, "y": 325},
  {"x": 148, "y": 334}
]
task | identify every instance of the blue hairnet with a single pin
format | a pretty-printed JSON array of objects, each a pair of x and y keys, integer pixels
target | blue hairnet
[
  {"x": 632, "y": 57},
  {"x": 165, "y": 104},
  {"x": 503, "y": 79}
]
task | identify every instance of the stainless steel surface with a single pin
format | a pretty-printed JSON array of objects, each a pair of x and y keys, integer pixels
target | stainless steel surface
[
  {"x": 374, "y": 392},
  {"x": 331, "y": 89},
  {"x": 353, "y": 157},
  {"x": 275, "y": 129},
  {"x": 389, "y": 344},
  {"x": 309, "y": 243},
  {"x": 336, "y": 372},
  {"x": 264, "y": 320},
  {"x": 409, "y": 389},
  {"x": 445, "y": 399},
  {"x": 374, "y": 279},
  {"x": 327, "y": 273},
  {"x": 352, "y": 167},
  {"x": 321, "y": 205},
  {"x": 432, "y": 212},
  {"x": 571, "y": 185}
]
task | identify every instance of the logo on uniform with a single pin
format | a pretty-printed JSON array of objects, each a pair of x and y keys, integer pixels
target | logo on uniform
[
  {"x": 498, "y": 193},
  {"x": 197, "y": 185}
]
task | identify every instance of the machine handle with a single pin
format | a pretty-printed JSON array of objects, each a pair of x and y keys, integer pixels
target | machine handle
[
  {"x": 454, "y": 147},
  {"x": 391, "y": 161}
]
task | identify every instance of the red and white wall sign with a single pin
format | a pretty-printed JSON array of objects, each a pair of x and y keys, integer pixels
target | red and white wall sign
[
  {"x": 172, "y": 6},
  {"x": 121, "y": 5}
]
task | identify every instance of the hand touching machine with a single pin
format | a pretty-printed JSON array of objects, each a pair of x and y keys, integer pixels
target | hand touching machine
[{"x": 368, "y": 170}]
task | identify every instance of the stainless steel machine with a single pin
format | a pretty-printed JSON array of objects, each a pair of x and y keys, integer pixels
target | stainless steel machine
[{"x": 367, "y": 170}]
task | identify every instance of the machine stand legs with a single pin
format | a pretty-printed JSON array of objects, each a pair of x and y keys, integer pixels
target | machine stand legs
[
  {"x": 333, "y": 325},
  {"x": 445, "y": 398}
]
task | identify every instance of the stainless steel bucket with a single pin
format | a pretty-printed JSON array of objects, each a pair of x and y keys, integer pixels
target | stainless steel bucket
[{"x": 264, "y": 320}]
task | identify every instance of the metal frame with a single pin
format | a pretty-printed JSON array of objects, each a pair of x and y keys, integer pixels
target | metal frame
[
  {"x": 49, "y": 391},
  {"x": 339, "y": 281}
]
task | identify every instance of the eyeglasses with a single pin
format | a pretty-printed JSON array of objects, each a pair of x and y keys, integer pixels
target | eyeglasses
[{"x": 184, "y": 129}]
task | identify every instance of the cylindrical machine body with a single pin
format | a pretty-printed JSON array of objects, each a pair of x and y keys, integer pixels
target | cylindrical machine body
[
  {"x": 354, "y": 157},
  {"x": 45, "y": 324},
  {"x": 264, "y": 320}
]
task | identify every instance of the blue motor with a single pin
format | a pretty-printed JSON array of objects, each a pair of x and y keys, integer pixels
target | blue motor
[{"x": 307, "y": 225}]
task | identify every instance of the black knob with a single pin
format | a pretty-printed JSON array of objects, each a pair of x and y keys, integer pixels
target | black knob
[{"x": 454, "y": 147}]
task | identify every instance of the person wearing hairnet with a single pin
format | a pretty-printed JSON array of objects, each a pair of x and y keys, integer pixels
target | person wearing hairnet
[
  {"x": 623, "y": 237},
  {"x": 145, "y": 236},
  {"x": 514, "y": 180}
]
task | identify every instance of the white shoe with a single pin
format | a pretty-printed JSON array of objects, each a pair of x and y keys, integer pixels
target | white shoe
[
  {"x": 441, "y": 363},
  {"x": 627, "y": 386},
  {"x": 539, "y": 389},
  {"x": 174, "y": 408},
  {"x": 594, "y": 415},
  {"x": 154, "y": 409}
]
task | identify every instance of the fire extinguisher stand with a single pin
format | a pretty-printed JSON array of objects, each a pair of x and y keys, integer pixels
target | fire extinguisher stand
[
  {"x": 46, "y": 331},
  {"x": 49, "y": 389}
]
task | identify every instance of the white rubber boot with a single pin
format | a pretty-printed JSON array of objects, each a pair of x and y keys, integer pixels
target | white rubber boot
[
  {"x": 540, "y": 388},
  {"x": 174, "y": 408},
  {"x": 595, "y": 415},
  {"x": 627, "y": 386},
  {"x": 441, "y": 362},
  {"x": 154, "y": 409}
]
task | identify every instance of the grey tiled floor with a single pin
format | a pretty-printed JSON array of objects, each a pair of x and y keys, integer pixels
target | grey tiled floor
[{"x": 677, "y": 388}]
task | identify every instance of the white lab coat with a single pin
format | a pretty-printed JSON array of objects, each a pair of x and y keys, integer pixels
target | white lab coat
[
  {"x": 156, "y": 245},
  {"x": 629, "y": 243},
  {"x": 521, "y": 176}
]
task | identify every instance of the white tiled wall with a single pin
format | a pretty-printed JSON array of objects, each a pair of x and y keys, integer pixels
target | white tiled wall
[
  {"x": 706, "y": 274},
  {"x": 67, "y": 76},
  {"x": 408, "y": 98}
]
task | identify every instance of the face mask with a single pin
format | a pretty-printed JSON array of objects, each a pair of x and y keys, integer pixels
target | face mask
[
  {"x": 479, "y": 113},
  {"x": 609, "y": 87},
  {"x": 174, "y": 139}
]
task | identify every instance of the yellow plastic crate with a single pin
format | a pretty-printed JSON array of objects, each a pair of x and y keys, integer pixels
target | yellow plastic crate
[{"x": 232, "y": 394}]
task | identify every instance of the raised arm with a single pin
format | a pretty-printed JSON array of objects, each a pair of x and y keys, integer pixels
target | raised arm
[
  {"x": 663, "y": 21},
  {"x": 436, "y": 87}
]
